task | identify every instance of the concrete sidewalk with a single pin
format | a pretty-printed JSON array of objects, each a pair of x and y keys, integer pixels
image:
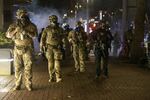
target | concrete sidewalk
[{"x": 126, "y": 82}]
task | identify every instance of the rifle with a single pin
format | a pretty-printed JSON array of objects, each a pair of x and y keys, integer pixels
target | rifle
[{"x": 99, "y": 45}]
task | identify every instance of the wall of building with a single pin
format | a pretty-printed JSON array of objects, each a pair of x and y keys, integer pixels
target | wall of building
[
  {"x": 6, "y": 13},
  {"x": 1, "y": 15},
  {"x": 131, "y": 10}
]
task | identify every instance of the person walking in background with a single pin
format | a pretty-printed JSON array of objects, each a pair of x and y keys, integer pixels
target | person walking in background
[
  {"x": 78, "y": 39},
  {"x": 51, "y": 40}
]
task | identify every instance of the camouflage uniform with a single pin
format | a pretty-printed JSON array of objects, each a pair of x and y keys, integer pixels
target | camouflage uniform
[
  {"x": 101, "y": 45},
  {"x": 22, "y": 32},
  {"x": 128, "y": 41},
  {"x": 67, "y": 46},
  {"x": 52, "y": 40},
  {"x": 116, "y": 44},
  {"x": 78, "y": 38}
]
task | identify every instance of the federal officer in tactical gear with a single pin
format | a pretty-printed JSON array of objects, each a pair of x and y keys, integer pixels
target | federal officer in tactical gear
[
  {"x": 78, "y": 39},
  {"x": 116, "y": 44},
  {"x": 22, "y": 32},
  {"x": 101, "y": 45},
  {"x": 66, "y": 46},
  {"x": 128, "y": 39},
  {"x": 51, "y": 40},
  {"x": 109, "y": 35}
]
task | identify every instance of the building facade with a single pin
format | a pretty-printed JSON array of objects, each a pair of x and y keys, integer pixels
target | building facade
[{"x": 7, "y": 11}]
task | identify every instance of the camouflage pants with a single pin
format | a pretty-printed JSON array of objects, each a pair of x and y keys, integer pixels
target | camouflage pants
[
  {"x": 54, "y": 57},
  {"x": 23, "y": 65},
  {"x": 79, "y": 58}
]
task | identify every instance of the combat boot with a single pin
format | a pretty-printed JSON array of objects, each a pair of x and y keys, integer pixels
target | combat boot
[
  {"x": 76, "y": 69},
  {"x": 29, "y": 88},
  {"x": 105, "y": 76},
  {"x": 82, "y": 70},
  {"x": 58, "y": 80},
  {"x": 97, "y": 77},
  {"x": 16, "y": 88},
  {"x": 51, "y": 80}
]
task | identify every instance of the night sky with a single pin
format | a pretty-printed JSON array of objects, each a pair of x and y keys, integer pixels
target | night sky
[
  {"x": 97, "y": 4},
  {"x": 57, "y": 4}
]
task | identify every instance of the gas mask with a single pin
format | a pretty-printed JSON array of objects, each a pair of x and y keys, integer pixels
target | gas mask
[
  {"x": 53, "y": 20},
  {"x": 23, "y": 20},
  {"x": 22, "y": 17},
  {"x": 53, "y": 23}
]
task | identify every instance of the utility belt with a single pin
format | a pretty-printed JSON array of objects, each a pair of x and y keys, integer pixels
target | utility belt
[{"x": 20, "y": 49}]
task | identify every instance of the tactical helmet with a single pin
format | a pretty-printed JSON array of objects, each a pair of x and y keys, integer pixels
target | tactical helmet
[
  {"x": 21, "y": 12},
  {"x": 53, "y": 18},
  {"x": 65, "y": 25},
  {"x": 78, "y": 23}
]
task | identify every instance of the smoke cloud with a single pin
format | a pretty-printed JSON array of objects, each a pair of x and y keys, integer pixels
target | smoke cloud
[{"x": 39, "y": 16}]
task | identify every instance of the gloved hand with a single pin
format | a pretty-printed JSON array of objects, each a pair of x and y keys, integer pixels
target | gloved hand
[
  {"x": 19, "y": 29},
  {"x": 41, "y": 50},
  {"x": 40, "y": 53}
]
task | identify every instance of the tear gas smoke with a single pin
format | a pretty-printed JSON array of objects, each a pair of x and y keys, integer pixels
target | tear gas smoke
[{"x": 40, "y": 17}]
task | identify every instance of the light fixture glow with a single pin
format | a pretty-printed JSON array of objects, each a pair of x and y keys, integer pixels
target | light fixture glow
[
  {"x": 6, "y": 60},
  {"x": 4, "y": 90}
]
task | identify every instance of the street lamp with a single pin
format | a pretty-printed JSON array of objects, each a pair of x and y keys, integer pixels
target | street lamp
[
  {"x": 77, "y": 7},
  {"x": 71, "y": 11}
]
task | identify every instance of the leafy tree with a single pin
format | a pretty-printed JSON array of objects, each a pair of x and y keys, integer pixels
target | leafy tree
[{"x": 4, "y": 42}]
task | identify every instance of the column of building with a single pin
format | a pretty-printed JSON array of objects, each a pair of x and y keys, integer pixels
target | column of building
[{"x": 1, "y": 15}]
